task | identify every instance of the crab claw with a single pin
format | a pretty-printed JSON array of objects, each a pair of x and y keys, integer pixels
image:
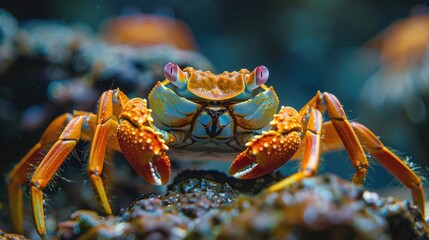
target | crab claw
[
  {"x": 264, "y": 154},
  {"x": 156, "y": 171},
  {"x": 141, "y": 144},
  {"x": 270, "y": 150}
]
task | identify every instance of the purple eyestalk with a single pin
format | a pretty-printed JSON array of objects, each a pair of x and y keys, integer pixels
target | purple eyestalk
[
  {"x": 175, "y": 75},
  {"x": 256, "y": 78},
  {"x": 261, "y": 75},
  {"x": 170, "y": 71}
]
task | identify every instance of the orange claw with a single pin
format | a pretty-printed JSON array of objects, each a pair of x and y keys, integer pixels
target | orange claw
[
  {"x": 272, "y": 149},
  {"x": 141, "y": 144}
]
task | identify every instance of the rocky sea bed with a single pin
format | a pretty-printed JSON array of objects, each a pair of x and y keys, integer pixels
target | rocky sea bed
[{"x": 211, "y": 205}]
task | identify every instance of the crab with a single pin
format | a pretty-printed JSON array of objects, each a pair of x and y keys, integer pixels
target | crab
[{"x": 198, "y": 115}]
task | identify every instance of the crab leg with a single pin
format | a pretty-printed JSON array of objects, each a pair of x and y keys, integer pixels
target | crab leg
[
  {"x": 104, "y": 133},
  {"x": 331, "y": 142},
  {"x": 310, "y": 161},
  {"x": 392, "y": 162},
  {"x": 49, "y": 166},
  {"x": 316, "y": 102},
  {"x": 19, "y": 174},
  {"x": 384, "y": 156},
  {"x": 329, "y": 102},
  {"x": 348, "y": 137},
  {"x": 355, "y": 138}
]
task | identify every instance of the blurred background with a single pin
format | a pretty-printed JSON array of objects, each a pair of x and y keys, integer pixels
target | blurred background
[{"x": 373, "y": 55}]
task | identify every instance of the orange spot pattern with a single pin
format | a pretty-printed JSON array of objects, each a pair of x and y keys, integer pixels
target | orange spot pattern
[
  {"x": 139, "y": 141},
  {"x": 288, "y": 119},
  {"x": 272, "y": 149}
]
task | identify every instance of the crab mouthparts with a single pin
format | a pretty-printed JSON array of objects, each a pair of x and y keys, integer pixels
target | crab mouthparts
[{"x": 246, "y": 170}]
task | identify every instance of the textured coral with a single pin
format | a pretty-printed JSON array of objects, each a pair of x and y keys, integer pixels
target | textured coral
[
  {"x": 323, "y": 207},
  {"x": 188, "y": 201},
  {"x": 4, "y": 235},
  {"x": 195, "y": 207}
]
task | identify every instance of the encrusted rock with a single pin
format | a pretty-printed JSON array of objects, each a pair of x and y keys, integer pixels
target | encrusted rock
[
  {"x": 4, "y": 235},
  {"x": 206, "y": 205},
  {"x": 323, "y": 207}
]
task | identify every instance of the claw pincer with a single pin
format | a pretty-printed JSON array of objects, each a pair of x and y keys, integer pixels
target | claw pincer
[
  {"x": 272, "y": 149},
  {"x": 141, "y": 144}
]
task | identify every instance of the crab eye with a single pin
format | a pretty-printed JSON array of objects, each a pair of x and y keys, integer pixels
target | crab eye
[
  {"x": 261, "y": 75},
  {"x": 170, "y": 71},
  {"x": 176, "y": 76},
  {"x": 256, "y": 78}
]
